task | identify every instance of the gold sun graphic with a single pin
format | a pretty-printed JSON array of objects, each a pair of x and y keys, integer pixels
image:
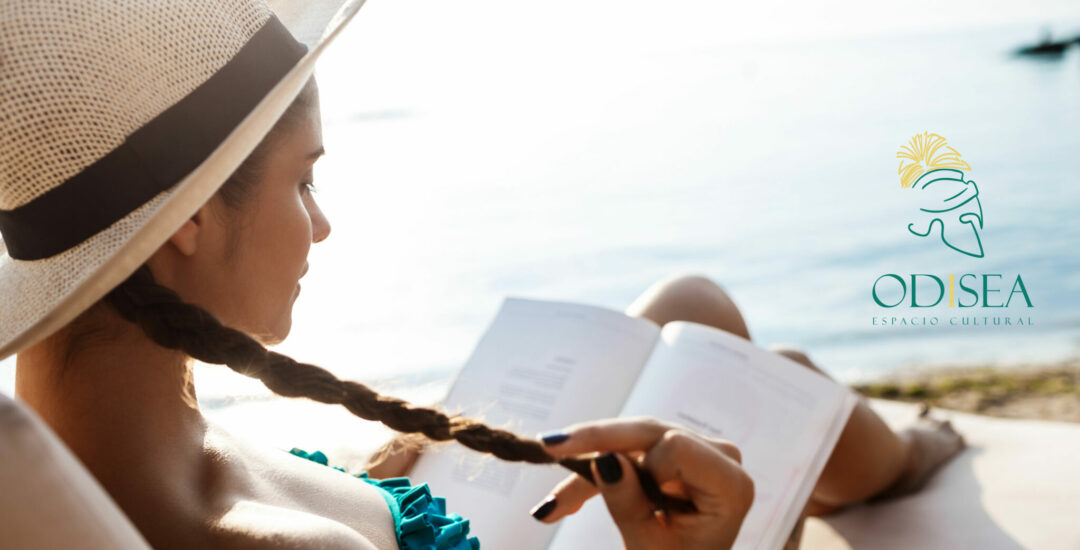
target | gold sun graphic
[{"x": 925, "y": 153}]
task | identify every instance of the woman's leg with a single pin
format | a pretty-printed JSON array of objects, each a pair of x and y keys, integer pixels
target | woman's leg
[{"x": 869, "y": 458}]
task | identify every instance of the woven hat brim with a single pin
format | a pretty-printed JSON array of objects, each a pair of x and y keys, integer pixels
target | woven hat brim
[{"x": 42, "y": 296}]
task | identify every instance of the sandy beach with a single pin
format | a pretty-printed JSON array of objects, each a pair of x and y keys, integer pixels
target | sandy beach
[{"x": 1040, "y": 391}]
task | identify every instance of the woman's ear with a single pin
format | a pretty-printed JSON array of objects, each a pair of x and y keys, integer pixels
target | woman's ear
[
  {"x": 186, "y": 239},
  {"x": 185, "y": 251}
]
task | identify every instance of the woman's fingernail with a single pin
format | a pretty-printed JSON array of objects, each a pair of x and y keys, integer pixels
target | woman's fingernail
[
  {"x": 609, "y": 468},
  {"x": 551, "y": 438},
  {"x": 545, "y": 508}
]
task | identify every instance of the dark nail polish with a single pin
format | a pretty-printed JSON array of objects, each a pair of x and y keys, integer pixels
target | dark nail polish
[
  {"x": 609, "y": 467},
  {"x": 544, "y": 509},
  {"x": 551, "y": 438}
]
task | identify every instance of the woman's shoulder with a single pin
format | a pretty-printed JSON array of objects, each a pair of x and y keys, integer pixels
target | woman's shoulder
[
  {"x": 267, "y": 497},
  {"x": 249, "y": 524}
]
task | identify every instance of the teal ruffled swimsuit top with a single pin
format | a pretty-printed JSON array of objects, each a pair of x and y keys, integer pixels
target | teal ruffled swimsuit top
[{"x": 420, "y": 519}]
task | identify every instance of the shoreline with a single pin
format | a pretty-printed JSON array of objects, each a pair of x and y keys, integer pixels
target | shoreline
[{"x": 1037, "y": 391}]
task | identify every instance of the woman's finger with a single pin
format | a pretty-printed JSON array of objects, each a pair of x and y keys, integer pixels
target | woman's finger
[
  {"x": 627, "y": 504},
  {"x": 619, "y": 435},
  {"x": 566, "y": 498},
  {"x": 609, "y": 434},
  {"x": 712, "y": 479}
]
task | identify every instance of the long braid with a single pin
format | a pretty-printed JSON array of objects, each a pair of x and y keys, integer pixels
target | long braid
[{"x": 172, "y": 323}]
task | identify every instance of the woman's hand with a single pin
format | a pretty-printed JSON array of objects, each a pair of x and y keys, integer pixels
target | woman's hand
[
  {"x": 395, "y": 458},
  {"x": 686, "y": 464}
]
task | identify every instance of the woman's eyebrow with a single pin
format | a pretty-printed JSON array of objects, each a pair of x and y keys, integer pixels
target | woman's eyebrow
[{"x": 316, "y": 153}]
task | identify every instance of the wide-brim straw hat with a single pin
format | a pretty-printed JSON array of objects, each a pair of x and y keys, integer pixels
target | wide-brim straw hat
[{"x": 118, "y": 121}]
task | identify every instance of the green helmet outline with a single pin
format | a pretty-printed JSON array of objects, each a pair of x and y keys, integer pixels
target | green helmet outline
[{"x": 956, "y": 192}]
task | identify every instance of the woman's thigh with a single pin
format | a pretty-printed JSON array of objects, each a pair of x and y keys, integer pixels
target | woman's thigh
[{"x": 867, "y": 457}]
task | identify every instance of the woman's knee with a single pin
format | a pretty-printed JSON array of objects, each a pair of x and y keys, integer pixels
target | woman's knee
[
  {"x": 792, "y": 352},
  {"x": 795, "y": 354},
  {"x": 694, "y": 298}
]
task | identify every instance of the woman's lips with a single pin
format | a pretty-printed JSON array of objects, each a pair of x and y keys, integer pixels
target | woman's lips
[{"x": 306, "y": 266}]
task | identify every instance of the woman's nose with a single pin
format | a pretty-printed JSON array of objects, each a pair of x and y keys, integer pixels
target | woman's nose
[{"x": 320, "y": 226}]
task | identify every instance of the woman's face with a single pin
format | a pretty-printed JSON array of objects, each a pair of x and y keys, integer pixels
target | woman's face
[
  {"x": 246, "y": 264},
  {"x": 277, "y": 226}
]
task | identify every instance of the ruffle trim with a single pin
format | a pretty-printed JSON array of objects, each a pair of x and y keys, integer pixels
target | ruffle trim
[{"x": 420, "y": 519}]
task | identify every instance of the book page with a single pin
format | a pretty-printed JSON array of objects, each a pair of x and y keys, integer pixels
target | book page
[
  {"x": 784, "y": 417},
  {"x": 540, "y": 366}
]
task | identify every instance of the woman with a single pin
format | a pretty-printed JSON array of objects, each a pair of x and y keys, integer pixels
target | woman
[{"x": 167, "y": 244}]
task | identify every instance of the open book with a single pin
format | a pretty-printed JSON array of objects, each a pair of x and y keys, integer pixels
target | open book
[{"x": 544, "y": 365}]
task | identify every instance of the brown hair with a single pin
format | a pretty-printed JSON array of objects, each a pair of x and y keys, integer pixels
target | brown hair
[{"x": 172, "y": 323}]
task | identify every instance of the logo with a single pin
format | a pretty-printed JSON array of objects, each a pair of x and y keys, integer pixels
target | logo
[
  {"x": 946, "y": 207},
  {"x": 949, "y": 205}
]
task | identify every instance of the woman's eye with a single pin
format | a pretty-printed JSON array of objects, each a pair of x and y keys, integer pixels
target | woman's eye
[{"x": 309, "y": 186}]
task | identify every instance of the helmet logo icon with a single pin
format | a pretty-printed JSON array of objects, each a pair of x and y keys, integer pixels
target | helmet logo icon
[{"x": 948, "y": 204}]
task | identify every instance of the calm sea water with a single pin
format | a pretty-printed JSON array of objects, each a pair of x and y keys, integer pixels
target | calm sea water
[{"x": 583, "y": 151}]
